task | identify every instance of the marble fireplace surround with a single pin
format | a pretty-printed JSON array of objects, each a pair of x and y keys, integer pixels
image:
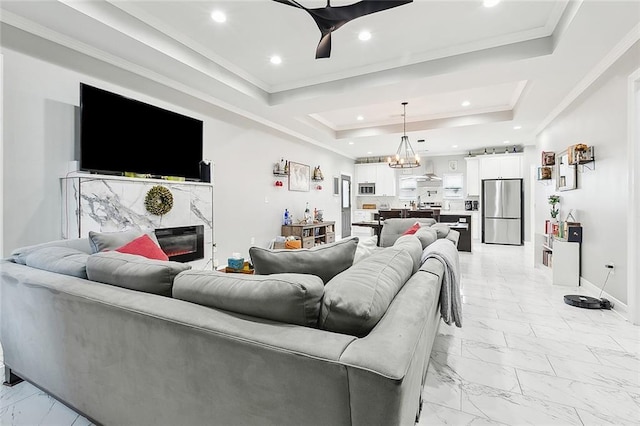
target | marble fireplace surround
[{"x": 103, "y": 203}]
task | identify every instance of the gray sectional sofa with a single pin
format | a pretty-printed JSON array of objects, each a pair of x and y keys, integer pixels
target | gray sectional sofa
[{"x": 287, "y": 348}]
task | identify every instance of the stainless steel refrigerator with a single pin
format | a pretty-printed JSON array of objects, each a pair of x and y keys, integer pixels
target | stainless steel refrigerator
[{"x": 502, "y": 211}]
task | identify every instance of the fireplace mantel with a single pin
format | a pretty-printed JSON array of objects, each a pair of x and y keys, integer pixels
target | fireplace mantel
[{"x": 103, "y": 203}]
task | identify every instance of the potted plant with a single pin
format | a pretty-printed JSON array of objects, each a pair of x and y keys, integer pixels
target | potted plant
[{"x": 553, "y": 200}]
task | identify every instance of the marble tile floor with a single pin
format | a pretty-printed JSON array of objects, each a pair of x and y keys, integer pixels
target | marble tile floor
[{"x": 522, "y": 357}]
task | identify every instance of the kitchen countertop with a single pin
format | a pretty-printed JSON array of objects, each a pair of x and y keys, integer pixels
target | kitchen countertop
[{"x": 457, "y": 212}]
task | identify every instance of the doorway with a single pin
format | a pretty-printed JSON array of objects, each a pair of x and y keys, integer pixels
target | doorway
[{"x": 345, "y": 185}]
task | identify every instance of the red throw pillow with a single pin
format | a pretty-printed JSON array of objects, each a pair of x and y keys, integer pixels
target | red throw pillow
[
  {"x": 144, "y": 246},
  {"x": 413, "y": 229}
]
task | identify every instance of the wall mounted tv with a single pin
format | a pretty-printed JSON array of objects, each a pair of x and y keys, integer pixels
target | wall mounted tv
[{"x": 120, "y": 134}]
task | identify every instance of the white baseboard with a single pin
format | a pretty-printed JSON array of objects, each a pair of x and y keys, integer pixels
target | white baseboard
[{"x": 593, "y": 290}]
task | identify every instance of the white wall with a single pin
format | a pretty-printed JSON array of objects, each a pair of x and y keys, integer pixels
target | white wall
[
  {"x": 40, "y": 107},
  {"x": 598, "y": 118}
]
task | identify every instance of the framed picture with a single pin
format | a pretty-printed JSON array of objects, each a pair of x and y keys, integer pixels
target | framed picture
[
  {"x": 453, "y": 165},
  {"x": 299, "y": 178},
  {"x": 566, "y": 173},
  {"x": 548, "y": 158}
]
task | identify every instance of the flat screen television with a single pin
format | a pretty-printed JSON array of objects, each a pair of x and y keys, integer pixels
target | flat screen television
[{"x": 119, "y": 134}]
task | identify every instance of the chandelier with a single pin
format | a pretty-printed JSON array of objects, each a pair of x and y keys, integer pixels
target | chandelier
[{"x": 405, "y": 157}]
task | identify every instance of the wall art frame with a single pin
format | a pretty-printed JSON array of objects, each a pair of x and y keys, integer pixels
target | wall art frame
[{"x": 299, "y": 177}]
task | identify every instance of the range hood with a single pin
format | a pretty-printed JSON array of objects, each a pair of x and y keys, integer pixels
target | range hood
[{"x": 430, "y": 175}]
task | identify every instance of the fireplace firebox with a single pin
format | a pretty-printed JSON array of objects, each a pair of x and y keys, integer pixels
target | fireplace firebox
[{"x": 183, "y": 243}]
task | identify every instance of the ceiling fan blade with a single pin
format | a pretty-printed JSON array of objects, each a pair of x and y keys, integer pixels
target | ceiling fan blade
[
  {"x": 329, "y": 19},
  {"x": 291, "y": 3},
  {"x": 355, "y": 10},
  {"x": 324, "y": 46}
]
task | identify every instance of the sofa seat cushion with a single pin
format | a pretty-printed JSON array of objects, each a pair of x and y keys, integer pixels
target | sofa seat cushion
[
  {"x": 356, "y": 299},
  {"x": 62, "y": 260},
  {"x": 289, "y": 298},
  {"x": 134, "y": 272},
  {"x": 325, "y": 261},
  {"x": 104, "y": 241}
]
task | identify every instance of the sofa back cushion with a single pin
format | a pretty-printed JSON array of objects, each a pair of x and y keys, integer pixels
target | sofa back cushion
[
  {"x": 62, "y": 260},
  {"x": 393, "y": 228},
  {"x": 134, "y": 272},
  {"x": 82, "y": 244},
  {"x": 104, "y": 241},
  {"x": 325, "y": 261},
  {"x": 356, "y": 299},
  {"x": 427, "y": 235},
  {"x": 412, "y": 245},
  {"x": 289, "y": 298}
]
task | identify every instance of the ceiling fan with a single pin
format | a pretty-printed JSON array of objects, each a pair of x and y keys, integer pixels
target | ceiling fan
[{"x": 330, "y": 18}]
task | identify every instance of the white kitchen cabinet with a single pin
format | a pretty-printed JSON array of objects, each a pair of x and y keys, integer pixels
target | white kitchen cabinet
[
  {"x": 501, "y": 166},
  {"x": 366, "y": 173},
  {"x": 381, "y": 174},
  {"x": 385, "y": 180},
  {"x": 566, "y": 263},
  {"x": 473, "y": 177}
]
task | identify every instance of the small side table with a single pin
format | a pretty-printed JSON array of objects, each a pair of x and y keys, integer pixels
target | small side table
[{"x": 245, "y": 270}]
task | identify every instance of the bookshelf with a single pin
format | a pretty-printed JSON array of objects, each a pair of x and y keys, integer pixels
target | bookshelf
[
  {"x": 561, "y": 255},
  {"x": 312, "y": 234}
]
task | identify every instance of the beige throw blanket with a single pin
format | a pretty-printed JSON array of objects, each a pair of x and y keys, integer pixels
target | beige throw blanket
[{"x": 450, "y": 301}]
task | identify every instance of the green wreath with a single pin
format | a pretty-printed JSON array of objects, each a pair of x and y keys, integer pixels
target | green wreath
[{"x": 159, "y": 200}]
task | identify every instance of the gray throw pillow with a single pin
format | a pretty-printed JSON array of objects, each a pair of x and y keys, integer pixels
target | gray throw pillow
[
  {"x": 134, "y": 272},
  {"x": 289, "y": 298},
  {"x": 325, "y": 261},
  {"x": 103, "y": 241},
  {"x": 355, "y": 300},
  {"x": 62, "y": 260}
]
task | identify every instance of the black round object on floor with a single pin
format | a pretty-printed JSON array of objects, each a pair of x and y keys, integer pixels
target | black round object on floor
[{"x": 583, "y": 301}]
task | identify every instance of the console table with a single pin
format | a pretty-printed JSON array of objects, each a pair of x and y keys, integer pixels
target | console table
[{"x": 311, "y": 234}]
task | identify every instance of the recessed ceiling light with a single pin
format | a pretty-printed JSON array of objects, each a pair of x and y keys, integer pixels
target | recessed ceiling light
[
  {"x": 369, "y": 152},
  {"x": 276, "y": 60},
  {"x": 359, "y": 118},
  {"x": 454, "y": 146},
  {"x": 218, "y": 16},
  {"x": 466, "y": 103},
  {"x": 505, "y": 141},
  {"x": 517, "y": 127},
  {"x": 490, "y": 3},
  {"x": 364, "y": 35},
  {"x": 351, "y": 143}
]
